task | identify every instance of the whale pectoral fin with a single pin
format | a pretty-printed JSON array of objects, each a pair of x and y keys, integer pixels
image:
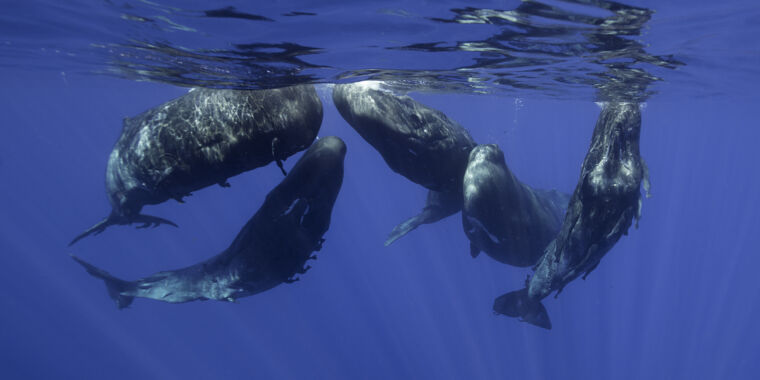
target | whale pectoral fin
[
  {"x": 282, "y": 167},
  {"x": 405, "y": 227},
  {"x": 427, "y": 216},
  {"x": 517, "y": 304},
  {"x": 645, "y": 182},
  {"x": 438, "y": 205},
  {"x": 474, "y": 251},
  {"x": 275, "y": 142},
  {"x": 114, "y": 285},
  {"x": 224, "y": 183}
]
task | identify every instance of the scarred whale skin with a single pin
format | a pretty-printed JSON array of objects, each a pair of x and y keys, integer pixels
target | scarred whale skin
[
  {"x": 271, "y": 248},
  {"x": 416, "y": 141},
  {"x": 606, "y": 200},
  {"x": 507, "y": 219},
  {"x": 200, "y": 139}
]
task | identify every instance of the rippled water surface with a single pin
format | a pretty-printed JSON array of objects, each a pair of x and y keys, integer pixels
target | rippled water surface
[
  {"x": 563, "y": 49},
  {"x": 677, "y": 298}
]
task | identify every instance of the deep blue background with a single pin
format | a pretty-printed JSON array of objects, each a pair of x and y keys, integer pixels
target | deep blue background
[{"x": 677, "y": 298}]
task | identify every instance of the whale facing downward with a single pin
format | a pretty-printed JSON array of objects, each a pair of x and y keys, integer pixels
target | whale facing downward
[
  {"x": 606, "y": 200},
  {"x": 416, "y": 141}
]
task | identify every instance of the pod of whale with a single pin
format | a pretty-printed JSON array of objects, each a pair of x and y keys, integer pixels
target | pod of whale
[
  {"x": 507, "y": 219},
  {"x": 416, "y": 141},
  {"x": 207, "y": 136},
  {"x": 271, "y": 249},
  {"x": 200, "y": 139},
  {"x": 606, "y": 200}
]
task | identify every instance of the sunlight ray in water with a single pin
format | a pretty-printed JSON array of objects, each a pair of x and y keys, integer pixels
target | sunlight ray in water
[{"x": 444, "y": 166}]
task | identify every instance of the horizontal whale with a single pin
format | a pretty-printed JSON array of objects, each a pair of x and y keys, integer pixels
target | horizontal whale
[
  {"x": 200, "y": 139},
  {"x": 606, "y": 200},
  {"x": 507, "y": 219},
  {"x": 416, "y": 141},
  {"x": 271, "y": 249}
]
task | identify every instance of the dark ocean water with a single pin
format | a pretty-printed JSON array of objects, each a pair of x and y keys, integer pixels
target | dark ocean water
[{"x": 678, "y": 298}]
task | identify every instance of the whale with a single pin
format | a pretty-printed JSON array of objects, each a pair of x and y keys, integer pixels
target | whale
[
  {"x": 509, "y": 220},
  {"x": 200, "y": 139},
  {"x": 416, "y": 141},
  {"x": 603, "y": 206},
  {"x": 271, "y": 249}
]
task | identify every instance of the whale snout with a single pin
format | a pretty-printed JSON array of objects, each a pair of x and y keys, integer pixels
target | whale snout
[
  {"x": 486, "y": 153},
  {"x": 330, "y": 145}
]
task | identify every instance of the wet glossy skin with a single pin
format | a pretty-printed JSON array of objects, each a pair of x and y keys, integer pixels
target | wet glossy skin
[
  {"x": 416, "y": 141},
  {"x": 200, "y": 139},
  {"x": 270, "y": 249},
  {"x": 507, "y": 219},
  {"x": 602, "y": 208}
]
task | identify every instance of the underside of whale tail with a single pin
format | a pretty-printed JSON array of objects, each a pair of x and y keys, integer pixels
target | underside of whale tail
[
  {"x": 114, "y": 285},
  {"x": 116, "y": 219},
  {"x": 517, "y": 304}
]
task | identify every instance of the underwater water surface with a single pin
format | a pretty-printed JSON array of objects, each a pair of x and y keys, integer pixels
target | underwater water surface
[{"x": 677, "y": 298}]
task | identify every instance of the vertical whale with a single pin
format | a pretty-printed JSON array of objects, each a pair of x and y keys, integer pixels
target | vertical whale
[
  {"x": 416, "y": 141},
  {"x": 504, "y": 217},
  {"x": 606, "y": 200}
]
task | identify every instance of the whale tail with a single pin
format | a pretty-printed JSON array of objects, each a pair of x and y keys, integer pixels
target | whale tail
[
  {"x": 114, "y": 285},
  {"x": 116, "y": 219},
  {"x": 517, "y": 304}
]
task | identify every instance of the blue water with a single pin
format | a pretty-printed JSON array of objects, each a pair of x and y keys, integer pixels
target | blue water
[{"x": 678, "y": 298}]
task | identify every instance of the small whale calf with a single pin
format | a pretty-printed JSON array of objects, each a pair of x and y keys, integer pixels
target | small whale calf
[
  {"x": 200, "y": 139},
  {"x": 271, "y": 249},
  {"x": 606, "y": 200},
  {"x": 507, "y": 219},
  {"x": 416, "y": 141}
]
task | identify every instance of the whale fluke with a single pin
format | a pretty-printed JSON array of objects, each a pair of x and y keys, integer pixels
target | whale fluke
[
  {"x": 114, "y": 219},
  {"x": 518, "y": 304},
  {"x": 114, "y": 285}
]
